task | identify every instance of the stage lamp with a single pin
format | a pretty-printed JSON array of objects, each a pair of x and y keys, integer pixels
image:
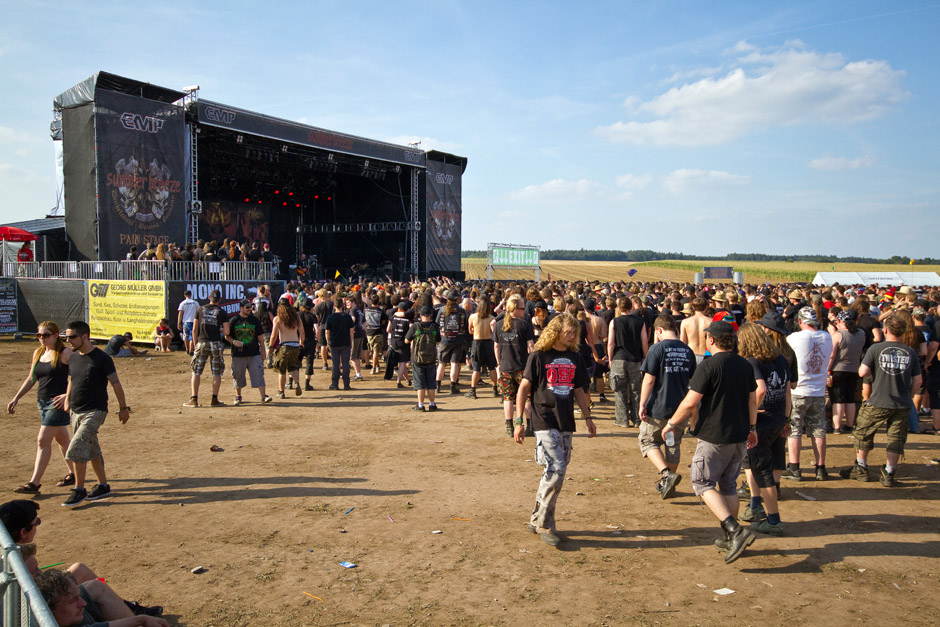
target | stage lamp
[
  {"x": 290, "y": 193},
  {"x": 297, "y": 205},
  {"x": 259, "y": 202},
  {"x": 316, "y": 197},
  {"x": 329, "y": 198},
  {"x": 285, "y": 204},
  {"x": 277, "y": 191},
  {"x": 248, "y": 200}
]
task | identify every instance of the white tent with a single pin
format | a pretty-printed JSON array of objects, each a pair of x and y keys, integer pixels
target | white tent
[{"x": 877, "y": 278}]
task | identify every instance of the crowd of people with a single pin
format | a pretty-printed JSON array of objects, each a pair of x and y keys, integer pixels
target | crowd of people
[{"x": 747, "y": 370}]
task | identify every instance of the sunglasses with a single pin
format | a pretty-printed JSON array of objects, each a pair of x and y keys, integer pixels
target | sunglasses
[
  {"x": 43, "y": 336},
  {"x": 35, "y": 523},
  {"x": 73, "y": 337}
]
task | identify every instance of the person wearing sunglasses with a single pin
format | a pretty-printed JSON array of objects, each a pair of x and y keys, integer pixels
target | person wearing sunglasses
[
  {"x": 86, "y": 400},
  {"x": 50, "y": 369}
]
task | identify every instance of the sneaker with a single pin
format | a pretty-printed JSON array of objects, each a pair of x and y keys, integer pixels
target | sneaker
[
  {"x": 471, "y": 393},
  {"x": 326, "y": 368},
  {"x": 346, "y": 388},
  {"x": 280, "y": 394},
  {"x": 509, "y": 428},
  {"x": 100, "y": 491},
  {"x": 76, "y": 497},
  {"x": 533, "y": 529},
  {"x": 887, "y": 478},
  {"x": 792, "y": 474},
  {"x": 754, "y": 515},
  {"x": 432, "y": 407},
  {"x": 670, "y": 482},
  {"x": 266, "y": 399},
  {"x": 744, "y": 492},
  {"x": 418, "y": 408},
  {"x": 401, "y": 385},
  {"x": 496, "y": 392},
  {"x": 738, "y": 541},
  {"x": 618, "y": 423},
  {"x": 192, "y": 402},
  {"x": 308, "y": 387},
  {"x": 237, "y": 401},
  {"x": 550, "y": 538},
  {"x": 216, "y": 403},
  {"x": 764, "y": 526},
  {"x": 859, "y": 473},
  {"x": 602, "y": 399},
  {"x": 358, "y": 377},
  {"x": 821, "y": 474},
  {"x": 144, "y": 610},
  {"x": 844, "y": 430},
  {"x": 298, "y": 391},
  {"x": 336, "y": 387}
]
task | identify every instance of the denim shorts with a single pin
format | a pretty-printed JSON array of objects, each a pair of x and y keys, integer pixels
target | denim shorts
[{"x": 52, "y": 417}]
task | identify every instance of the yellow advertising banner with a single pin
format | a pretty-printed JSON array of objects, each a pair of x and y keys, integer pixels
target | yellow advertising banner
[{"x": 115, "y": 307}]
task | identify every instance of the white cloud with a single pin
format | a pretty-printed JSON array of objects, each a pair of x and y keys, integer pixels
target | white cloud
[
  {"x": 791, "y": 85},
  {"x": 832, "y": 164},
  {"x": 688, "y": 180},
  {"x": 633, "y": 182},
  {"x": 9, "y": 135},
  {"x": 558, "y": 189}
]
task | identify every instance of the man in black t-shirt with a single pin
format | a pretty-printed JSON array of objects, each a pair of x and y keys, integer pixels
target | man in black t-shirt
[
  {"x": 724, "y": 388},
  {"x": 339, "y": 329},
  {"x": 86, "y": 400},
  {"x": 247, "y": 351},
  {"x": 209, "y": 327},
  {"x": 263, "y": 308},
  {"x": 666, "y": 372},
  {"x": 322, "y": 311},
  {"x": 895, "y": 371},
  {"x": 120, "y": 346},
  {"x": 627, "y": 345},
  {"x": 556, "y": 376}
]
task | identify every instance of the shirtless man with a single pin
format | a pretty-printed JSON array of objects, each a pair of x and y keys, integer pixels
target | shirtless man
[
  {"x": 692, "y": 330},
  {"x": 482, "y": 352},
  {"x": 599, "y": 329}
]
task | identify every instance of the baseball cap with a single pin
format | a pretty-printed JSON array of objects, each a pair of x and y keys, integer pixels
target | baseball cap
[
  {"x": 244, "y": 302},
  {"x": 17, "y": 515},
  {"x": 720, "y": 329},
  {"x": 426, "y": 311},
  {"x": 453, "y": 295},
  {"x": 540, "y": 304},
  {"x": 590, "y": 304}
]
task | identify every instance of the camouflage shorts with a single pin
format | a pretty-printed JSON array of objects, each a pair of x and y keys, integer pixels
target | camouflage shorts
[
  {"x": 871, "y": 418},
  {"x": 509, "y": 384},
  {"x": 84, "y": 445}
]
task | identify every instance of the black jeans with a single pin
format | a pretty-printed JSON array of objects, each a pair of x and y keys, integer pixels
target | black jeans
[{"x": 340, "y": 355}]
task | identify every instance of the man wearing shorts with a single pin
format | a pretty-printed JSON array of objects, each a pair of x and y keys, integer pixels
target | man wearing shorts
[
  {"x": 424, "y": 357},
  {"x": 248, "y": 352},
  {"x": 184, "y": 320},
  {"x": 895, "y": 372},
  {"x": 514, "y": 340},
  {"x": 86, "y": 400},
  {"x": 812, "y": 348},
  {"x": 263, "y": 308},
  {"x": 724, "y": 385},
  {"x": 210, "y": 325},
  {"x": 666, "y": 372}
]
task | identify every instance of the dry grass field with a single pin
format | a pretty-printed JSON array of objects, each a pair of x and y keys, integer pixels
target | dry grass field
[{"x": 754, "y": 271}]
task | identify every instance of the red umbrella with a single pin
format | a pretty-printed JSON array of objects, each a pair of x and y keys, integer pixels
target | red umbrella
[{"x": 13, "y": 234}]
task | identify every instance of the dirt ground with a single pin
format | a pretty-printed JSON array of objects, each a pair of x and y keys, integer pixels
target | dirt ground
[{"x": 309, "y": 482}]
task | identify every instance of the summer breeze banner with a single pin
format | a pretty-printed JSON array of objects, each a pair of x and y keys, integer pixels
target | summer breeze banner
[
  {"x": 443, "y": 219},
  {"x": 115, "y": 307},
  {"x": 141, "y": 173}
]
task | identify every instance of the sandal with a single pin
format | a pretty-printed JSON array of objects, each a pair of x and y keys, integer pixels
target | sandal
[
  {"x": 27, "y": 488},
  {"x": 67, "y": 480}
]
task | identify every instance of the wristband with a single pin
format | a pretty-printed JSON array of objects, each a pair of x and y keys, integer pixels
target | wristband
[
  {"x": 753, "y": 428},
  {"x": 125, "y": 408},
  {"x": 518, "y": 421}
]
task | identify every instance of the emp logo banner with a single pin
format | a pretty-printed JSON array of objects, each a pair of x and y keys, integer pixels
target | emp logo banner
[
  {"x": 220, "y": 115},
  {"x": 445, "y": 179},
  {"x": 142, "y": 123},
  {"x": 99, "y": 290}
]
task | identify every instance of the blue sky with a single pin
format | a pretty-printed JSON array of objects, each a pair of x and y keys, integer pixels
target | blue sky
[{"x": 703, "y": 128}]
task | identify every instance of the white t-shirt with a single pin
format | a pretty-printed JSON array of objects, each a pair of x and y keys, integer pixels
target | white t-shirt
[
  {"x": 813, "y": 350},
  {"x": 188, "y": 307}
]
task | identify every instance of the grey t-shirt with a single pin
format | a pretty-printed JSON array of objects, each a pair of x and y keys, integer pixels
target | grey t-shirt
[{"x": 893, "y": 366}]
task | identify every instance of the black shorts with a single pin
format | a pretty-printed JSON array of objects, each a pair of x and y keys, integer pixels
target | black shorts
[
  {"x": 482, "y": 353},
  {"x": 452, "y": 353},
  {"x": 843, "y": 387},
  {"x": 770, "y": 454}
]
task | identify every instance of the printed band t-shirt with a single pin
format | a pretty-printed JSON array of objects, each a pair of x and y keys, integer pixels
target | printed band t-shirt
[
  {"x": 245, "y": 330},
  {"x": 211, "y": 318},
  {"x": 512, "y": 345},
  {"x": 672, "y": 362},
  {"x": 775, "y": 375},
  {"x": 893, "y": 366},
  {"x": 812, "y": 349},
  {"x": 554, "y": 375}
]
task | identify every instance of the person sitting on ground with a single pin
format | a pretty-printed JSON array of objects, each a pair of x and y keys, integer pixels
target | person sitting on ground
[
  {"x": 164, "y": 335},
  {"x": 21, "y": 520},
  {"x": 120, "y": 346},
  {"x": 72, "y": 604}
]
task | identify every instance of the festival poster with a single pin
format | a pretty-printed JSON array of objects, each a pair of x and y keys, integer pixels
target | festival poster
[
  {"x": 442, "y": 228},
  {"x": 141, "y": 173},
  {"x": 116, "y": 307},
  {"x": 240, "y": 221},
  {"x": 8, "y": 320}
]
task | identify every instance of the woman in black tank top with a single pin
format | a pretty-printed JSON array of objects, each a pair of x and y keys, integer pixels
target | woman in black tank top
[{"x": 50, "y": 370}]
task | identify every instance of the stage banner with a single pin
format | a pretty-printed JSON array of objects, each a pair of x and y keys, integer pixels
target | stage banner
[
  {"x": 442, "y": 226},
  {"x": 141, "y": 173},
  {"x": 718, "y": 272},
  {"x": 116, "y": 307},
  {"x": 240, "y": 221},
  {"x": 8, "y": 306},
  {"x": 232, "y": 293}
]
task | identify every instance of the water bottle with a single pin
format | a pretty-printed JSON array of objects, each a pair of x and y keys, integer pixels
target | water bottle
[{"x": 671, "y": 438}]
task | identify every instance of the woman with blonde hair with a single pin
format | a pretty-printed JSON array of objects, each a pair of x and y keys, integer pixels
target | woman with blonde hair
[
  {"x": 766, "y": 461},
  {"x": 514, "y": 339},
  {"x": 50, "y": 369},
  {"x": 555, "y": 376}
]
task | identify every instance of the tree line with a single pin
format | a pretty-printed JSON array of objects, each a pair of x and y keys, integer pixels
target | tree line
[{"x": 650, "y": 255}]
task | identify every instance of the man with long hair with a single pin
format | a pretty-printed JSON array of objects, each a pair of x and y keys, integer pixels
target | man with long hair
[{"x": 555, "y": 376}]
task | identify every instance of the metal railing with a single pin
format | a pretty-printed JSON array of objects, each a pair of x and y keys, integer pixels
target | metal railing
[
  {"x": 143, "y": 270},
  {"x": 22, "y": 602}
]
